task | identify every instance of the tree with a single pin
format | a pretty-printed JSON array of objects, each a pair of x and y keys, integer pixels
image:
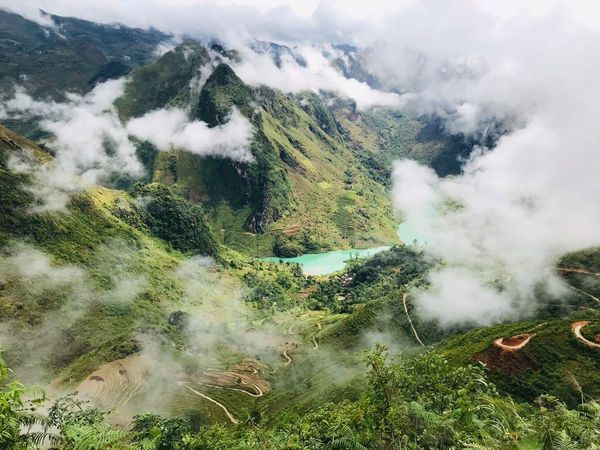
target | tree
[{"x": 18, "y": 416}]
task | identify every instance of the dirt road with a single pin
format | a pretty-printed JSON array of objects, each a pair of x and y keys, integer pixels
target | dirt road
[
  {"x": 505, "y": 344},
  {"x": 404, "y": 298},
  {"x": 576, "y": 327},
  {"x": 286, "y": 356},
  {"x": 220, "y": 405}
]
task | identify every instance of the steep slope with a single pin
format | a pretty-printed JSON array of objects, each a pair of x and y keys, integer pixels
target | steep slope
[
  {"x": 553, "y": 361},
  {"x": 168, "y": 81},
  {"x": 73, "y": 55},
  {"x": 222, "y": 91},
  {"x": 106, "y": 280},
  {"x": 91, "y": 293},
  {"x": 556, "y": 352},
  {"x": 384, "y": 135},
  {"x": 320, "y": 178},
  {"x": 560, "y": 353},
  {"x": 304, "y": 177}
]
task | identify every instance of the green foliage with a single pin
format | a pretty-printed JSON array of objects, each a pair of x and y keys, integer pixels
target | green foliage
[
  {"x": 82, "y": 427},
  {"x": 153, "y": 431},
  {"x": 298, "y": 175},
  {"x": 423, "y": 402},
  {"x": 147, "y": 154},
  {"x": 155, "y": 85},
  {"x": 275, "y": 196},
  {"x": 287, "y": 248},
  {"x": 18, "y": 416},
  {"x": 172, "y": 218},
  {"x": 72, "y": 60},
  {"x": 588, "y": 259},
  {"x": 381, "y": 276},
  {"x": 554, "y": 361},
  {"x": 222, "y": 90},
  {"x": 68, "y": 235},
  {"x": 274, "y": 284},
  {"x": 314, "y": 106}
]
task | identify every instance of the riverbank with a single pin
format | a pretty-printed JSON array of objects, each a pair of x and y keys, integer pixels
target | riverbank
[{"x": 336, "y": 260}]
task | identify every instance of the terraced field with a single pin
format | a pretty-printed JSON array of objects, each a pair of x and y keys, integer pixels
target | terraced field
[{"x": 116, "y": 383}]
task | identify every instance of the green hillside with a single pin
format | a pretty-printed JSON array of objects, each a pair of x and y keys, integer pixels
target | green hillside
[
  {"x": 84, "y": 237},
  {"x": 305, "y": 176},
  {"x": 73, "y": 58},
  {"x": 317, "y": 167},
  {"x": 115, "y": 276},
  {"x": 553, "y": 361},
  {"x": 145, "y": 311}
]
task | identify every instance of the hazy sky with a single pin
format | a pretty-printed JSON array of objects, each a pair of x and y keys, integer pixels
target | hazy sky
[{"x": 313, "y": 20}]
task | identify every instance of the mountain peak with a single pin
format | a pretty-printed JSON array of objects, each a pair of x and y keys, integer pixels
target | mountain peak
[{"x": 222, "y": 90}]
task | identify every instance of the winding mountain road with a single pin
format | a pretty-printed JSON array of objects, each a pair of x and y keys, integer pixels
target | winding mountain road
[
  {"x": 404, "y": 298},
  {"x": 259, "y": 391},
  {"x": 576, "y": 327},
  {"x": 512, "y": 348},
  {"x": 220, "y": 405},
  {"x": 314, "y": 337},
  {"x": 286, "y": 356},
  {"x": 575, "y": 270},
  {"x": 593, "y": 297}
]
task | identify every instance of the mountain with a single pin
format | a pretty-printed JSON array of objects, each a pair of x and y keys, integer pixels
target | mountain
[
  {"x": 144, "y": 308},
  {"x": 83, "y": 237},
  {"x": 74, "y": 55},
  {"x": 117, "y": 275},
  {"x": 300, "y": 144},
  {"x": 298, "y": 154},
  {"x": 309, "y": 157}
]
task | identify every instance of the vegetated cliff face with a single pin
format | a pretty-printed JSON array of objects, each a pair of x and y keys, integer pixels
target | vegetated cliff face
[
  {"x": 320, "y": 175},
  {"x": 304, "y": 175}
]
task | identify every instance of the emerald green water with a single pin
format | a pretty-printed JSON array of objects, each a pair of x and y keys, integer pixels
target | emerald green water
[{"x": 329, "y": 262}]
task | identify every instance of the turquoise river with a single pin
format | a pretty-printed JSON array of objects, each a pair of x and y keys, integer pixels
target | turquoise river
[{"x": 329, "y": 262}]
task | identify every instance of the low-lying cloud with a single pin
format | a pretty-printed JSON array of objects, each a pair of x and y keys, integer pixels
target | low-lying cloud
[
  {"x": 531, "y": 66},
  {"x": 519, "y": 206},
  {"x": 512, "y": 213},
  {"x": 315, "y": 74},
  {"x": 92, "y": 144},
  {"x": 89, "y": 140},
  {"x": 170, "y": 128}
]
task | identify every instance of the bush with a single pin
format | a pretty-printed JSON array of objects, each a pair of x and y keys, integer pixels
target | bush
[{"x": 173, "y": 219}]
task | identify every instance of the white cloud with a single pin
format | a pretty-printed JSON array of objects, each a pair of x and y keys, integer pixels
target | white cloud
[
  {"x": 423, "y": 47},
  {"x": 530, "y": 64},
  {"x": 520, "y": 206},
  {"x": 306, "y": 21},
  {"x": 317, "y": 75},
  {"x": 92, "y": 144},
  {"x": 169, "y": 128},
  {"x": 31, "y": 266},
  {"x": 457, "y": 297}
]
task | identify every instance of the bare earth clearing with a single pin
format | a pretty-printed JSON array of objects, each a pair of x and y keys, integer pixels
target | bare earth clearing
[{"x": 514, "y": 343}]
